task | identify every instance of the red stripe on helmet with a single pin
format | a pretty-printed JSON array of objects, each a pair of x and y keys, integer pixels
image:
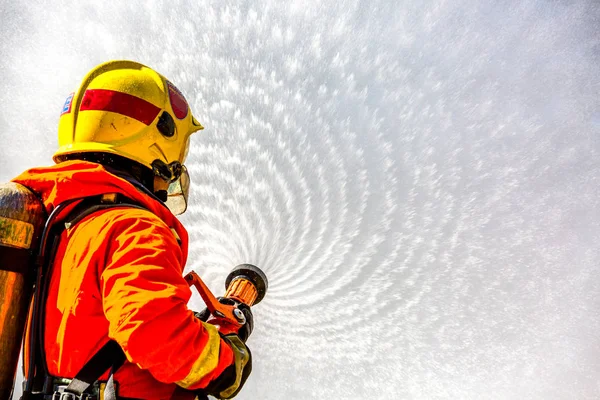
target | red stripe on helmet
[
  {"x": 178, "y": 102},
  {"x": 120, "y": 103}
]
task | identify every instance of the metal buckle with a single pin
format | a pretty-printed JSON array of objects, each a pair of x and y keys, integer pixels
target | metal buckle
[
  {"x": 72, "y": 396},
  {"x": 60, "y": 394},
  {"x": 64, "y": 396}
]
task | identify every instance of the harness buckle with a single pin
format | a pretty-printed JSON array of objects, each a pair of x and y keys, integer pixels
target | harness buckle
[
  {"x": 60, "y": 394},
  {"x": 64, "y": 396}
]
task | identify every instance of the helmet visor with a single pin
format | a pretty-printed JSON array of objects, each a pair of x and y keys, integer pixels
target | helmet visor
[{"x": 178, "y": 192}]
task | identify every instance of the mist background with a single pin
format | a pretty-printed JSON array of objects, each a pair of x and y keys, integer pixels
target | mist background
[{"x": 418, "y": 179}]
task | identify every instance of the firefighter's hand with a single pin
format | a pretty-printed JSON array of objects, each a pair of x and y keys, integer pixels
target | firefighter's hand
[
  {"x": 230, "y": 382},
  {"x": 245, "y": 330},
  {"x": 202, "y": 315}
]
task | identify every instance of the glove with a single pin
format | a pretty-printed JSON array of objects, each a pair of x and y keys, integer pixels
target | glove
[
  {"x": 245, "y": 330},
  {"x": 232, "y": 379}
]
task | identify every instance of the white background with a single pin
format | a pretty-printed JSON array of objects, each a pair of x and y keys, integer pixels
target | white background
[{"x": 418, "y": 179}]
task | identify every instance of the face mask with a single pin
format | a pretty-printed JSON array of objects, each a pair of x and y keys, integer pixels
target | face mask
[{"x": 178, "y": 191}]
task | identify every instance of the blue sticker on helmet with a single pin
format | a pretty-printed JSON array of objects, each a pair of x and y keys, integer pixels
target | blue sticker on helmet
[{"x": 67, "y": 106}]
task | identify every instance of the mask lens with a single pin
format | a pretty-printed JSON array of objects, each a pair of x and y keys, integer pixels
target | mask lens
[{"x": 178, "y": 192}]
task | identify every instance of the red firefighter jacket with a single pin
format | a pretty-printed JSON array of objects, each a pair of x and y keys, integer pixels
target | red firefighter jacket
[{"x": 118, "y": 275}]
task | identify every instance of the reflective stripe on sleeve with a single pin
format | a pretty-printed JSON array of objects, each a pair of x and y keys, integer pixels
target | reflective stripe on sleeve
[{"x": 208, "y": 360}]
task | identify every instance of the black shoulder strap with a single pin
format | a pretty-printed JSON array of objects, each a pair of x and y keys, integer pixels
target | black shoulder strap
[
  {"x": 96, "y": 203},
  {"x": 110, "y": 355}
]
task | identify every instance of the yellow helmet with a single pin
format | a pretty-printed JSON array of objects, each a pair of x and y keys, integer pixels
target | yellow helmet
[{"x": 128, "y": 109}]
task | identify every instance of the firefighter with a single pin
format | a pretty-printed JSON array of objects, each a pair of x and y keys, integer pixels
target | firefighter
[{"x": 116, "y": 274}]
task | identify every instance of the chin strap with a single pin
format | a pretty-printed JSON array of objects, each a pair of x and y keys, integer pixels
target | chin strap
[{"x": 162, "y": 195}]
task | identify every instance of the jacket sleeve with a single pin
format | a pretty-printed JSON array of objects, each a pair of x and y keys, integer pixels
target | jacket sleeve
[{"x": 145, "y": 302}]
